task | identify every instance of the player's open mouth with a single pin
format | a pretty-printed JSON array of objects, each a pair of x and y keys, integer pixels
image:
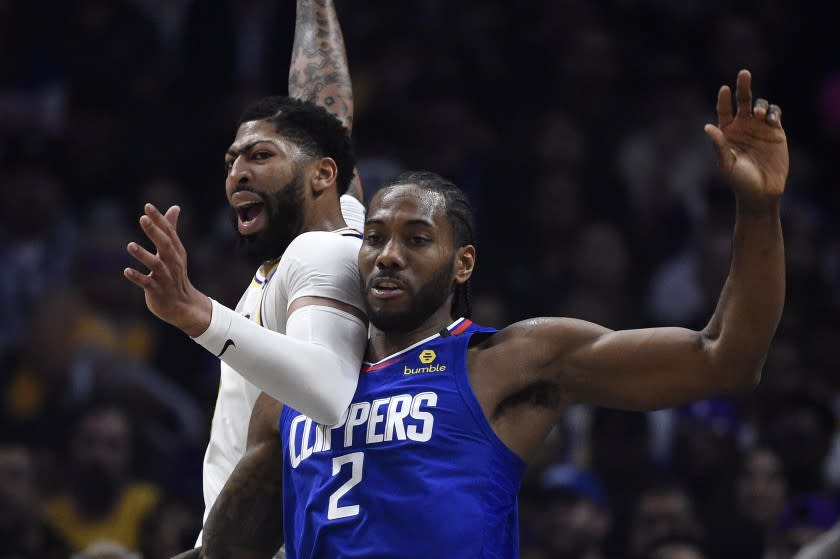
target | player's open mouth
[
  {"x": 251, "y": 217},
  {"x": 250, "y": 212},
  {"x": 386, "y": 288}
]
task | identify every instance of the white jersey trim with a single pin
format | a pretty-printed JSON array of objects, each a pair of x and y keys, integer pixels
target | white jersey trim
[{"x": 451, "y": 327}]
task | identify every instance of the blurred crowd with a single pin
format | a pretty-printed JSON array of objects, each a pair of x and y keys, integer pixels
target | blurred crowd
[{"x": 577, "y": 129}]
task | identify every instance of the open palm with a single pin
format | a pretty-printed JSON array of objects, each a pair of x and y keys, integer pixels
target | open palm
[{"x": 751, "y": 144}]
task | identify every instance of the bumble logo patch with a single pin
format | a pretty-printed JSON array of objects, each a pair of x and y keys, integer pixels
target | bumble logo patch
[{"x": 427, "y": 358}]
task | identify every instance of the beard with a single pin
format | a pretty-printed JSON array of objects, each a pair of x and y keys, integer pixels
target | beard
[
  {"x": 284, "y": 210},
  {"x": 423, "y": 303}
]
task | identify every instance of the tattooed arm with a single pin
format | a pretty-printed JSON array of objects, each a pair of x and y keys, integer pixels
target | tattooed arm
[
  {"x": 319, "y": 71},
  {"x": 246, "y": 521}
]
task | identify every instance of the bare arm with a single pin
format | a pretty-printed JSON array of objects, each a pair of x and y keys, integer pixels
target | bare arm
[
  {"x": 662, "y": 367},
  {"x": 246, "y": 521},
  {"x": 319, "y": 72}
]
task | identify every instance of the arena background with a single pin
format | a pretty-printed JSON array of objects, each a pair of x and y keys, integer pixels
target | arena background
[{"x": 576, "y": 127}]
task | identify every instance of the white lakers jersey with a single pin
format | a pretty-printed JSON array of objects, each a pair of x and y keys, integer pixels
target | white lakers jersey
[{"x": 266, "y": 301}]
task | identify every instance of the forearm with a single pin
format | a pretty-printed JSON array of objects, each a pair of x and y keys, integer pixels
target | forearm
[
  {"x": 317, "y": 380},
  {"x": 319, "y": 71},
  {"x": 246, "y": 521},
  {"x": 750, "y": 305}
]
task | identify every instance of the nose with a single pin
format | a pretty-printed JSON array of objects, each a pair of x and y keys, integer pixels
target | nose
[
  {"x": 391, "y": 256},
  {"x": 240, "y": 172}
]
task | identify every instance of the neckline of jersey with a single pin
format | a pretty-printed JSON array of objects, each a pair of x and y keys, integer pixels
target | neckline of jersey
[{"x": 455, "y": 329}]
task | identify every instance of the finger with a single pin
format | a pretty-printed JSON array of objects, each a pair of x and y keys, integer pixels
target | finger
[
  {"x": 760, "y": 108},
  {"x": 172, "y": 216},
  {"x": 146, "y": 258},
  {"x": 724, "y": 106},
  {"x": 135, "y": 277},
  {"x": 162, "y": 242},
  {"x": 158, "y": 218},
  {"x": 724, "y": 154},
  {"x": 167, "y": 225},
  {"x": 743, "y": 92},
  {"x": 774, "y": 115}
]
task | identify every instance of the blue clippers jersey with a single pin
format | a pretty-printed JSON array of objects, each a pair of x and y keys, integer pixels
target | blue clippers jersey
[{"x": 413, "y": 470}]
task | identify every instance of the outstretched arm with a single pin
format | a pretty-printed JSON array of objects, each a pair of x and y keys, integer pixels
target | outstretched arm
[
  {"x": 319, "y": 72},
  {"x": 663, "y": 367},
  {"x": 246, "y": 521},
  {"x": 314, "y": 366}
]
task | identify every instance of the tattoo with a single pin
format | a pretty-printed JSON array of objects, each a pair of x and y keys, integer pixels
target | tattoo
[
  {"x": 247, "y": 517},
  {"x": 319, "y": 71}
]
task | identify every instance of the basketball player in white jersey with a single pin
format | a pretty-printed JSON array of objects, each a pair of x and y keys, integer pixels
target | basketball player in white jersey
[{"x": 287, "y": 169}]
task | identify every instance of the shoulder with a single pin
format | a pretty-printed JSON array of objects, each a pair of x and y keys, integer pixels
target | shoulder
[
  {"x": 353, "y": 212},
  {"x": 322, "y": 246},
  {"x": 321, "y": 264},
  {"x": 533, "y": 340},
  {"x": 517, "y": 332},
  {"x": 323, "y": 253}
]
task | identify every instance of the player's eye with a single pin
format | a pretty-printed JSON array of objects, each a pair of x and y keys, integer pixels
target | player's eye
[
  {"x": 261, "y": 155},
  {"x": 373, "y": 238},
  {"x": 228, "y": 165},
  {"x": 419, "y": 240}
]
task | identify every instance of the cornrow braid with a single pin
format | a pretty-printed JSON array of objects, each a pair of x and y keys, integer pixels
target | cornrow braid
[{"x": 461, "y": 217}]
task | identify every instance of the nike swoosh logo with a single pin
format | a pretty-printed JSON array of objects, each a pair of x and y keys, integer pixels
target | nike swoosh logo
[{"x": 228, "y": 343}]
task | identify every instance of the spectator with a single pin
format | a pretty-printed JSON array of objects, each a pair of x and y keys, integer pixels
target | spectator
[
  {"x": 761, "y": 489},
  {"x": 38, "y": 241},
  {"x": 800, "y": 429},
  {"x": 662, "y": 510},
  {"x": 575, "y": 514},
  {"x": 23, "y": 533},
  {"x": 103, "y": 500}
]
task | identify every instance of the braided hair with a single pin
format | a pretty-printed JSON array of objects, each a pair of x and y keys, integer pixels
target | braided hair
[{"x": 459, "y": 211}]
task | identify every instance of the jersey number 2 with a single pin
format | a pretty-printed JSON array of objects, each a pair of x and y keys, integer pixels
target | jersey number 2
[{"x": 356, "y": 461}]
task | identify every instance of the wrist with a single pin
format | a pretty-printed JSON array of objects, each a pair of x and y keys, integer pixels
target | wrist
[
  {"x": 763, "y": 207},
  {"x": 197, "y": 315}
]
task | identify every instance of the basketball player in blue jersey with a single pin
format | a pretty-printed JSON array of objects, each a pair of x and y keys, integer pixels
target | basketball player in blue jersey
[{"x": 427, "y": 462}]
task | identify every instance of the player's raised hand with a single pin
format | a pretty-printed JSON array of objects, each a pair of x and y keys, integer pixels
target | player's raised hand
[
  {"x": 751, "y": 145},
  {"x": 169, "y": 294}
]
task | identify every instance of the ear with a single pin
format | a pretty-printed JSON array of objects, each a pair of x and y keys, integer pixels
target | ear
[
  {"x": 324, "y": 175},
  {"x": 464, "y": 264}
]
